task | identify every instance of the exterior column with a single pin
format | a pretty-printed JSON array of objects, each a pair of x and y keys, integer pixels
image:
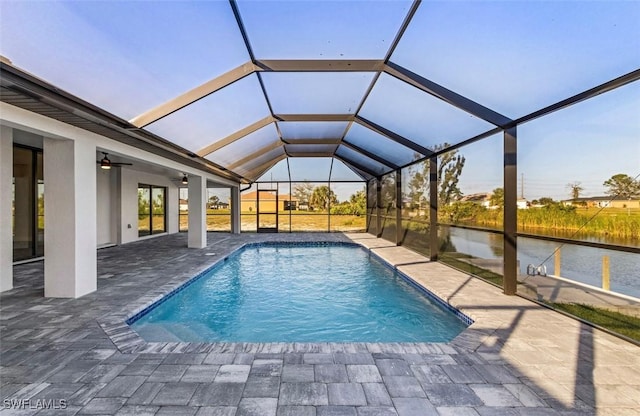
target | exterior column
[
  {"x": 70, "y": 264},
  {"x": 197, "y": 234},
  {"x": 235, "y": 210},
  {"x": 510, "y": 260},
  {"x": 433, "y": 209},
  {"x": 378, "y": 206},
  {"x": 6, "y": 240},
  {"x": 399, "y": 207}
]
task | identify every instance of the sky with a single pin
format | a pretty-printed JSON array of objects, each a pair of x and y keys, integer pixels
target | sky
[{"x": 512, "y": 57}]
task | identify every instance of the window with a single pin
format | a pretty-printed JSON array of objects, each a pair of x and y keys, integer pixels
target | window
[
  {"x": 152, "y": 218},
  {"x": 28, "y": 203}
]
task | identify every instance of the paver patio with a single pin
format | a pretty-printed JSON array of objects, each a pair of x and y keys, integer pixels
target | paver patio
[{"x": 518, "y": 358}]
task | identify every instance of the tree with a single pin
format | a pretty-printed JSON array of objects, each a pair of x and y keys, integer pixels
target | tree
[
  {"x": 143, "y": 202},
  {"x": 388, "y": 193},
  {"x": 450, "y": 166},
  {"x": 621, "y": 186},
  {"x": 545, "y": 200},
  {"x": 302, "y": 192},
  {"x": 418, "y": 184},
  {"x": 575, "y": 190},
  {"x": 322, "y": 198},
  {"x": 356, "y": 205},
  {"x": 213, "y": 201},
  {"x": 497, "y": 198},
  {"x": 358, "y": 202}
]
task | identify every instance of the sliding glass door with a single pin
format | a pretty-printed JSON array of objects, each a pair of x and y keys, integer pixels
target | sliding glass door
[
  {"x": 152, "y": 218},
  {"x": 28, "y": 203}
]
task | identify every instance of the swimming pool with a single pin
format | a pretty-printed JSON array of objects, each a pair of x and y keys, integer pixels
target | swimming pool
[{"x": 299, "y": 293}]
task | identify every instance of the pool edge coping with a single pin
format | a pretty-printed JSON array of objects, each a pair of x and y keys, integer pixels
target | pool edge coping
[{"x": 116, "y": 325}]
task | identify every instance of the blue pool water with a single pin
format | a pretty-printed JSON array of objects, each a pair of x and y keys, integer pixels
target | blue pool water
[{"x": 292, "y": 293}]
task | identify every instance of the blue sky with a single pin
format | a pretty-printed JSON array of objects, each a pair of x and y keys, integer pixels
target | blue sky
[{"x": 513, "y": 57}]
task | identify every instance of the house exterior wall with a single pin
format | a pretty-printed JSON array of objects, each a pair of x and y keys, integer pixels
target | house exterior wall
[
  {"x": 114, "y": 220},
  {"x": 249, "y": 203},
  {"x": 619, "y": 203}
]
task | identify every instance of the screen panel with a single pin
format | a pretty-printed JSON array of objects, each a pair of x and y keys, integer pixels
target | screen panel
[
  {"x": 516, "y": 57},
  {"x": 215, "y": 116},
  {"x": 147, "y": 61},
  {"x": 279, "y": 172},
  {"x": 310, "y": 168},
  {"x": 364, "y": 161},
  {"x": 322, "y": 29},
  {"x": 316, "y": 92},
  {"x": 418, "y": 116},
  {"x": 250, "y": 166},
  {"x": 312, "y": 129},
  {"x": 342, "y": 172},
  {"x": 259, "y": 139},
  {"x": 376, "y": 143}
]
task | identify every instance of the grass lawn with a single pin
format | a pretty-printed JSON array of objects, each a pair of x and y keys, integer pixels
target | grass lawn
[
  {"x": 620, "y": 323},
  {"x": 609, "y": 212},
  {"x": 614, "y": 321},
  {"x": 220, "y": 220}
]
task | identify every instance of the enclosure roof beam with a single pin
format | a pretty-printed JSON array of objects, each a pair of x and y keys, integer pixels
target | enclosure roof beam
[
  {"x": 309, "y": 154},
  {"x": 255, "y": 155},
  {"x": 370, "y": 155},
  {"x": 393, "y": 136},
  {"x": 623, "y": 80},
  {"x": 236, "y": 136},
  {"x": 319, "y": 65},
  {"x": 193, "y": 95},
  {"x": 361, "y": 174},
  {"x": 356, "y": 165},
  {"x": 314, "y": 117},
  {"x": 248, "y": 68},
  {"x": 312, "y": 141},
  {"x": 446, "y": 95},
  {"x": 260, "y": 170}
]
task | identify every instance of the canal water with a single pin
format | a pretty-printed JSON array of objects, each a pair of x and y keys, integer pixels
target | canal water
[{"x": 579, "y": 263}]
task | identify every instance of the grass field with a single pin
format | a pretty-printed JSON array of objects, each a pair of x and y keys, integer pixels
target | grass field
[
  {"x": 614, "y": 321},
  {"x": 220, "y": 220}
]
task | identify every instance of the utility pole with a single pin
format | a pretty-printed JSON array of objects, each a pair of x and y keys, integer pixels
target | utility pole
[{"x": 522, "y": 185}]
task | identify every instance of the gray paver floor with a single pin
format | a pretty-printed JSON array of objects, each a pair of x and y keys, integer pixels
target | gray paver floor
[{"x": 516, "y": 359}]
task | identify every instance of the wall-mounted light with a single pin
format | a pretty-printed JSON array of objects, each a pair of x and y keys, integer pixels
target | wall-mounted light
[
  {"x": 105, "y": 163},
  {"x": 185, "y": 180}
]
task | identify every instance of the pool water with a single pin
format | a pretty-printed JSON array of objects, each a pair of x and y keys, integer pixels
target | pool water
[{"x": 293, "y": 293}]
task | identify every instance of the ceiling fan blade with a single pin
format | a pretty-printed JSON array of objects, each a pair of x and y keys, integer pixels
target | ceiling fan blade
[{"x": 116, "y": 163}]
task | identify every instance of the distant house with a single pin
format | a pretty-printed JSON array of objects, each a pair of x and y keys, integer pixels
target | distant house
[
  {"x": 249, "y": 202},
  {"x": 603, "y": 202},
  {"x": 184, "y": 205},
  {"x": 522, "y": 203},
  {"x": 480, "y": 198},
  {"x": 219, "y": 205}
]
